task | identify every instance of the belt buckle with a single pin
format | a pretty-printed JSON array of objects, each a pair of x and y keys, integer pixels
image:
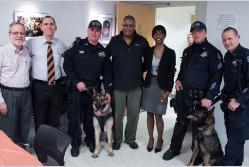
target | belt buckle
[{"x": 52, "y": 83}]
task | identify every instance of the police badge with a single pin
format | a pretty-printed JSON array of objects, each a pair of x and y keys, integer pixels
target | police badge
[{"x": 204, "y": 54}]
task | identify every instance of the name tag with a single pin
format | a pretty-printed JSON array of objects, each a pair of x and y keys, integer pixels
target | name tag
[{"x": 81, "y": 51}]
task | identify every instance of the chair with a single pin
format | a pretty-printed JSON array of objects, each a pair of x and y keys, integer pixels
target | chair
[{"x": 50, "y": 145}]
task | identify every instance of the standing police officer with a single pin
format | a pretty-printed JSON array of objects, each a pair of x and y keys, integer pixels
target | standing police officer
[
  {"x": 200, "y": 72},
  {"x": 236, "y": 95},
  {"x": 85, "y": 62}
]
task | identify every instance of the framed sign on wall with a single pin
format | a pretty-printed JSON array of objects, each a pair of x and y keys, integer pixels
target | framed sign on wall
[{"x": 108, "y": 27}]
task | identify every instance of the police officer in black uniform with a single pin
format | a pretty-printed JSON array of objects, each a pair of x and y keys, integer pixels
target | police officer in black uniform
[
  {"x": 235, "y": 103},
  {"x": 201, "y": 74},
  {"x": 85, "y": 62}
]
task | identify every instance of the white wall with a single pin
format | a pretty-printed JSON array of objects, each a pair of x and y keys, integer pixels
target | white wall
[
  {"x": 72, "y": 17},
  {"x": 240, "y": 9},
  {"x": 177, "y": 21}
]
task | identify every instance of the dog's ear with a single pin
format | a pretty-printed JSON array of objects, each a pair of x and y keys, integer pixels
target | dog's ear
[{"x": 94, "y": 91}]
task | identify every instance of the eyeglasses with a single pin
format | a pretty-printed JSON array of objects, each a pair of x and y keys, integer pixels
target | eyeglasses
[
  {"x": 17, "y": 33},
  {"x": 128, "y": 25}
]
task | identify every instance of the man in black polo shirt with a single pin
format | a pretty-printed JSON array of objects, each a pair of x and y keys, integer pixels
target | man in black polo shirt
[{"x": 127, "y": 50}]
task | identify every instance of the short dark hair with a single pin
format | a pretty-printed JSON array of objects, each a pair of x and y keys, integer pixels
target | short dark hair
[
  {"x": 48, "y": 16},
  {"x": 158, "y": 28},
  {"x": 235, "y": 31},
  {"x": 129, "y": 17},
  {"x": 16, "y": 23}
]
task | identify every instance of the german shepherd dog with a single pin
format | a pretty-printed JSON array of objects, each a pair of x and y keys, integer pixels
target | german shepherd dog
[
  {"x": 102, "y": 122},
  {"x": 206, "y": 141}
]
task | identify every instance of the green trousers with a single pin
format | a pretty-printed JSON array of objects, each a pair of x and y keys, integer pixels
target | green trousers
[{"x": 130, "y": 99}]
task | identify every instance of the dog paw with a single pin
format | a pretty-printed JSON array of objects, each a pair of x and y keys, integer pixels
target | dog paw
[
  {"x": 190, "y": 164},
  {"x": 110, "y": 154},
  {"x": 95, "y": 155}
]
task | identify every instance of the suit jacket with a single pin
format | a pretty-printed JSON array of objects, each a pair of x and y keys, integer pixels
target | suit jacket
[{"x": 166, "y": 69}]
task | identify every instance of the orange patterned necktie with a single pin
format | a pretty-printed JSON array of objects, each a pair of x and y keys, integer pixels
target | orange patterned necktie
[{"x": 50, "y": 63}]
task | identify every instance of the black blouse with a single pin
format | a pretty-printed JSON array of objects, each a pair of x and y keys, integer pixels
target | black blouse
[{"x": 166, "y": 68}]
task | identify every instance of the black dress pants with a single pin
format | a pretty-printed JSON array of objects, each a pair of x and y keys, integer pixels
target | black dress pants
[
  {"x": 81, "y": 110},
  {"x": 179, "y": 132},
  {"x": 47, "y": 101}
]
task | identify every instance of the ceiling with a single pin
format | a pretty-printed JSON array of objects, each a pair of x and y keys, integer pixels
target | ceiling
[{"x": 159, "y": 4}]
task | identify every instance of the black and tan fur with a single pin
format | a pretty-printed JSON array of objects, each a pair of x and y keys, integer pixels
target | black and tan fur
[
  {"x": 206, "y": 141},
  {"x": 102, "y": 122}
]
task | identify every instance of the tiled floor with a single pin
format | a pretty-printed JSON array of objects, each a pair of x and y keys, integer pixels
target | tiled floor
[{"x": 141, "y": 158}]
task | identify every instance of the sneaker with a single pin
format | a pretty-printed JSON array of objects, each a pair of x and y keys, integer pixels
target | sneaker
[
  {"x": 75, "y": 151},
  {"x": 132, "y": 145},
  {"x": 170, "y": 154},
  {"x": 116, "y": 146}
]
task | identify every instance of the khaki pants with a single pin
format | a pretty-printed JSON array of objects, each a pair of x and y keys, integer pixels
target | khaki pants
[{"x": 130, "y": 99}]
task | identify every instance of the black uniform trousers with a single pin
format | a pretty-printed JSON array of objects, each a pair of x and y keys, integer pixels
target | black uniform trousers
[
  {"x": 81, "y": 110},
  {"x": 234, "y": 149},
  {"x": 47, "y": 101},
  {"x": 179, "y": 132}
]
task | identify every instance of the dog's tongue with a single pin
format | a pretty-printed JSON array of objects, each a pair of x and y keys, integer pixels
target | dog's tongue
[{"x": 98, "y": 113}]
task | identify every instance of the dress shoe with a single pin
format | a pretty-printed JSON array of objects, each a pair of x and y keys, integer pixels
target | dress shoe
[
  {"x": 75, "y": 151},
  {"x": 159, "y": 149},
  {"x": 170, "y": 154},
  {"x": 132, "y": 144},
  {"x": 116, "y": 146},
  {"x": 150, "y": 147}
]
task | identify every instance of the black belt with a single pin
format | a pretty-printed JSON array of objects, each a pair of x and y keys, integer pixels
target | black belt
[
  {"x": 46, "y": 82},
  {"x": 11, "y": 88}
]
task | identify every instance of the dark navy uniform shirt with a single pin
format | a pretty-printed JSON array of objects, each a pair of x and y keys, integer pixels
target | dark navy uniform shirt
[
  {"x": 201, "y": 69},
  {"x": 236, "y": 74},
  {"x": 86, "y": 62}
]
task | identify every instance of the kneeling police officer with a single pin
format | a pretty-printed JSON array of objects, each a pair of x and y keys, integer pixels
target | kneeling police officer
[{"x": 200, "y": 76}]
